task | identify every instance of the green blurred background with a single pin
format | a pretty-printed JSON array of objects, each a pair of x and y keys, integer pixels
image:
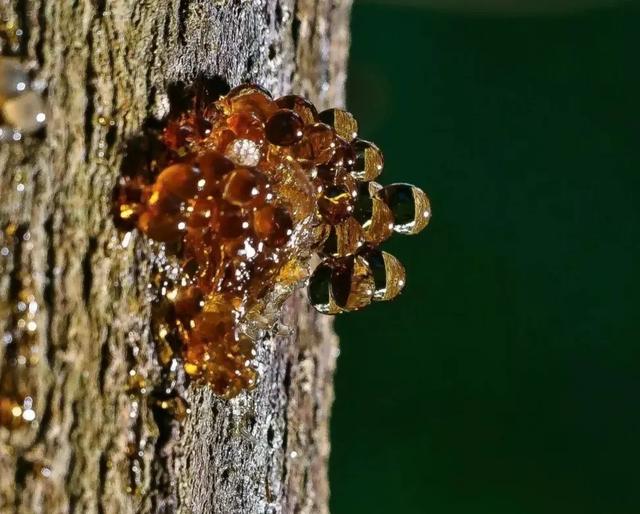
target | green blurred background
[{"x": 506, "y": 379}]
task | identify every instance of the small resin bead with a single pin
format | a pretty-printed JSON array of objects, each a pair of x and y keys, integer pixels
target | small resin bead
[
  {"x": 247, "y": 126},
  {"x": 213, "y": 167},
  {"x": 13, "y": 77},
  {"x": 317, "y": 145},
  {"x": 245, "y": 188},
  {"x": 409, "y": 205},
  {"x": 335, "y": 204},
  {"x": 319, "y": 289},
  {"x": 352, "y": 283},
  {"x": 203, "y": 212},
  {"x": 342, "y": 121},
  {"x": 180, "y": 180},
  {"x": 344, "y": 157},
  {"x": 25, "y": 112},
  {"x": 250, "y": 99},
  {"x": 372, "y": 213},
  {"x": 273, "y": 225},
  {"x": 388, "y": 273},
  {"x": 284, "y": 128},
  {"x": 165, "y": 228},
  {"x": 233, "y": 223},
  {"x": 305, "y": 109},
  {"x": 337, "y": 169},
  {"x": 368, "y": 160}
]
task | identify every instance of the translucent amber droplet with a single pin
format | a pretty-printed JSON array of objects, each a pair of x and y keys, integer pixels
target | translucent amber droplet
[
  {"x": 352, "y": 283},
  {"x": 250, "y": 99},
  {"x": 337, "y": 169},
  {"x": 344, "y": 157},
  {"x": 372, "y": 213},
  {"x": 233, "y": 222},
  {"x": 317, "y": 146},
  {"x": 166, "y": 228},
  {"x": 319, "y": 289},
  {"x": 335, "y": 204},
  {"x": 343, "y": 239},
  {"x": 160, "y": 200},
  {"x": 368, "y": 160},
  {"x": 203, "y": 213},
  {"x": 213, "y": 168},
  {"x": 273, "y": 225},
  {"x": 245, "y": 188},
  {"x": 305, "y": 109},
  {"x": 388, "y": 273},
  {"x": 181, "y": 180},
  {"x": 409, "y": 205},
  {"x": 284, "y": 128},
  {"x": 246, "y": 126},
  {"x": 342, "y": 121}
]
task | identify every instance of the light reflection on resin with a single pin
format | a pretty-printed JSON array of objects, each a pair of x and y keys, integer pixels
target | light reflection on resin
[{"x": 244, "y": 190}]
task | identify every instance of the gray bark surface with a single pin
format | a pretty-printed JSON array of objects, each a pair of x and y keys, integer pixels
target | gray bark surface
[{"x": 94, "y": 446}]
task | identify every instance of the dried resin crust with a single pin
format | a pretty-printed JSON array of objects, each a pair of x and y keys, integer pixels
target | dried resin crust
[{"x": 247, "y": 191}]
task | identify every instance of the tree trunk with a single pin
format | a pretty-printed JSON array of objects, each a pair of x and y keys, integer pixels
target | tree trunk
[{"x": 74, "y": 292}]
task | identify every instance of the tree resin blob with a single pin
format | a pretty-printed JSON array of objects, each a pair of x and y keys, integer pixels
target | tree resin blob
[{"x": 246, "y": 191}]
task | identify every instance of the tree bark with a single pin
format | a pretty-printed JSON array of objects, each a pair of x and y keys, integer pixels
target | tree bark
[{"x": 74, "y": 292}]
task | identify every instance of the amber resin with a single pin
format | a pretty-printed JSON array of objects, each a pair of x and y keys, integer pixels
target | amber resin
[{"x": 245, "y": 190}]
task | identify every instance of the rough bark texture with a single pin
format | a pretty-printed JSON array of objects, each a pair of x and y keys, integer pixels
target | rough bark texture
[{"x": 107, "y": 64}]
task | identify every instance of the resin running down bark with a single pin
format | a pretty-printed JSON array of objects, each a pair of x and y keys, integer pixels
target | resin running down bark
[{"x": 243, "y": 190}]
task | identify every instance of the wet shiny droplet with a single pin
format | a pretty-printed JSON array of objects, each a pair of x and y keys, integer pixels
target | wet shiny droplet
[
  {"x": 368, "y": 160},
  {"x": 284, "y": 128},
  {"x": 342, "y": 121},
  {"x": 409, "y": 205},
  {"x": 303, "y": 108},
  {"x": 335, "y": 204}
]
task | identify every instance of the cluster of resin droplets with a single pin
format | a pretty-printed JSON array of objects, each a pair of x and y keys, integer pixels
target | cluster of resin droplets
[{"x": 249, "y": 192}]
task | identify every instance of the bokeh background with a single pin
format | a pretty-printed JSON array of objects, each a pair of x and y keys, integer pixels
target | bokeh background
[{"x": 506, "y": 379}]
